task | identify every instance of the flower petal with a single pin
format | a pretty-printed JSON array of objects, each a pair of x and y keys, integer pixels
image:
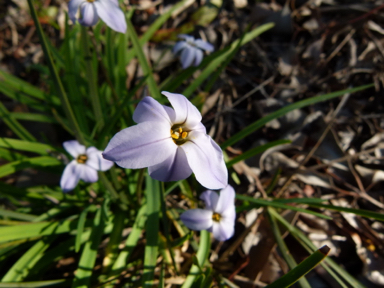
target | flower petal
[
  {"x": 88, "y": 14},
  {"x": 73, "y": 7},
  {"x": 210, "y": 199},
  {"x": 187, "y": 56},
  {"x": 96, "y": 160},
  {"x": 206, "y": 160},
  {"x": 226, "y": 200},
  {"x": 179, "y": 46},
  {"x": 185, "y": 112},
  {"x": 71, "y": 176},
  {"x": 173, "y": 168},
  {"x": 74, "y": 148},
  {"x": 198, "y": 57},
  {"x": 223, "y": 230},
  {"x": 142, "y": 145},
  {"x": 150, "y": 110},
  {"x": 204, "y": 45},
  {"x": 111, "y": 14},
  {"x": 197, "y": 219},
  {"x": 88, "y": 174}
]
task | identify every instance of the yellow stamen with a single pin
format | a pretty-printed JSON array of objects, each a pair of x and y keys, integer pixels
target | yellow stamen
[
  {"x": 216, "y": 217},
  {"x": 82, "y": 159},
  {"x": 178, "y": 135},
  {"x": 175, "y": 135}
]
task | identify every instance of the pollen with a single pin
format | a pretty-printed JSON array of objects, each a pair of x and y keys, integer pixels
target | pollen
[
  {"x": 216, "y": 217},
  {"x": 82, "y": 159},
  {"x": 179, "y": 135}
]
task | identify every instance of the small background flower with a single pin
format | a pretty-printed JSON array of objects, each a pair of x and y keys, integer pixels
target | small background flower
[
  {"x": 84, "y": 166},
  {"x": 90, "y": 11},
  {"x": 218, "y": 216},
  {"x": 191, "y": 50}
]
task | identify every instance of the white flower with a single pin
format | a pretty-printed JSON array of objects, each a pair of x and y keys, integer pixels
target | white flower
[
  {"x": 172, "y": 143},
  {"x": 85, "y": 165},
  {"x": 218, "y": 216},
  {"x": 90, "y": 11},
  {"x": 191, "y": 50}
]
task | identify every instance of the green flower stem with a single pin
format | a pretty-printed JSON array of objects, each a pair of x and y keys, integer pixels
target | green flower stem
[
  {"x": 202, "y": 255},
  {"x": 91, "y": 79},
  {"x": 56, "y": 79}
]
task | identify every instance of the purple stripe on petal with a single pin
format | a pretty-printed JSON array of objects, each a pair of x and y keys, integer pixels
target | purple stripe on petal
[
  {"x": 173, "y": 168},
  {"x": 150, "y": 110},
  {"x": 226, "y": 200},
  {"x": 73, "y": 8},
  {"x": 71, "y": 176},
  {"x": 74, "y": 148},
  {"x": 142, "y": 145},
  {"x": 210, "y": 199},
  {"x": 88, "y": 14},
  {"x": 223, "y": 230},
  {"x": 204, "y": 45},
  {"x": 198, "y": 57},
  {"x": 206, "y": 160},
  {"x": 187, "y": 56},
  {"x": 111, "y": 14},
  {"x": 96, "y": 160},
  {"x": 197, "y": 219},
  {"x": 185, "y": 113},
  {"x": 88, "y": 174}
]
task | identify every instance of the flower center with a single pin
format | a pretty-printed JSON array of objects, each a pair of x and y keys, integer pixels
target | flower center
[
  {"x": 216, "y": 217},
  {"x": 82, "y": 159},
  {"x": 179, "y": 136},
  {"x": 90, "y": 1}
]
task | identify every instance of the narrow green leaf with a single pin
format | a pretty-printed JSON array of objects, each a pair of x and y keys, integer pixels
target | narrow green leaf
[
  {"x": 24, "y": 264},
  {"x": 284, "y": 249},
  {"x": 222, "y": 56},
  {"x": 17, "y": 215},
  {"x": 27, "y": 146},
  {"x": 33, "y": 117},
  {"x": 281, "y": 112},
  {"x": 15, "y": 126},
  {"x": 152, "y": 86},
  {"x": 130, "y": 243},
  {"x": 276, "y": 204},
  {"x": 55, "y": 76},
  {"x": 88, "y": 256},
  {"x": 37, "y": 284},
  {"x": 254, "y": 151},
  {"x": 303, "y": 268},
  {"x": 42, "y": 161},
  {"x": 80, "y": 228},
  {"x": 152, "y": 230},
  {"x": 310, "y": 247},
  {"x": 202, "y": 256}
]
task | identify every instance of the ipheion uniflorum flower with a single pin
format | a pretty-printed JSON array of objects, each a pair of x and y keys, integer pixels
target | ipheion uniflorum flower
[
  {"x": 218, "y": 216},
  {"x": 86, "y": 163},
  {"x": 172, "y": 143},
  {"x": 90, "y": 11}
]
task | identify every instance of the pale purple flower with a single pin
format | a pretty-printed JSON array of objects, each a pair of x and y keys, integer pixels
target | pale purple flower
[
  {"x": 90, "y": 11},
  {"x": 218, "y": 216},
  {"x": 84, "y": 166},
  {"x": 172, "y": 143},
  {"x": 191, "y": 50}
]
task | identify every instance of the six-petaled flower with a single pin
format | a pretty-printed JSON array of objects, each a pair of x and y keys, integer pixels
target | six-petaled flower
[
  {"x": 84, "y": 166},
  {"x": 172, "y": 143},
  {"x": 90, "y": 11},
  {"x": 218, "y": 216},
  {"x": 191, "y": 50}
]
